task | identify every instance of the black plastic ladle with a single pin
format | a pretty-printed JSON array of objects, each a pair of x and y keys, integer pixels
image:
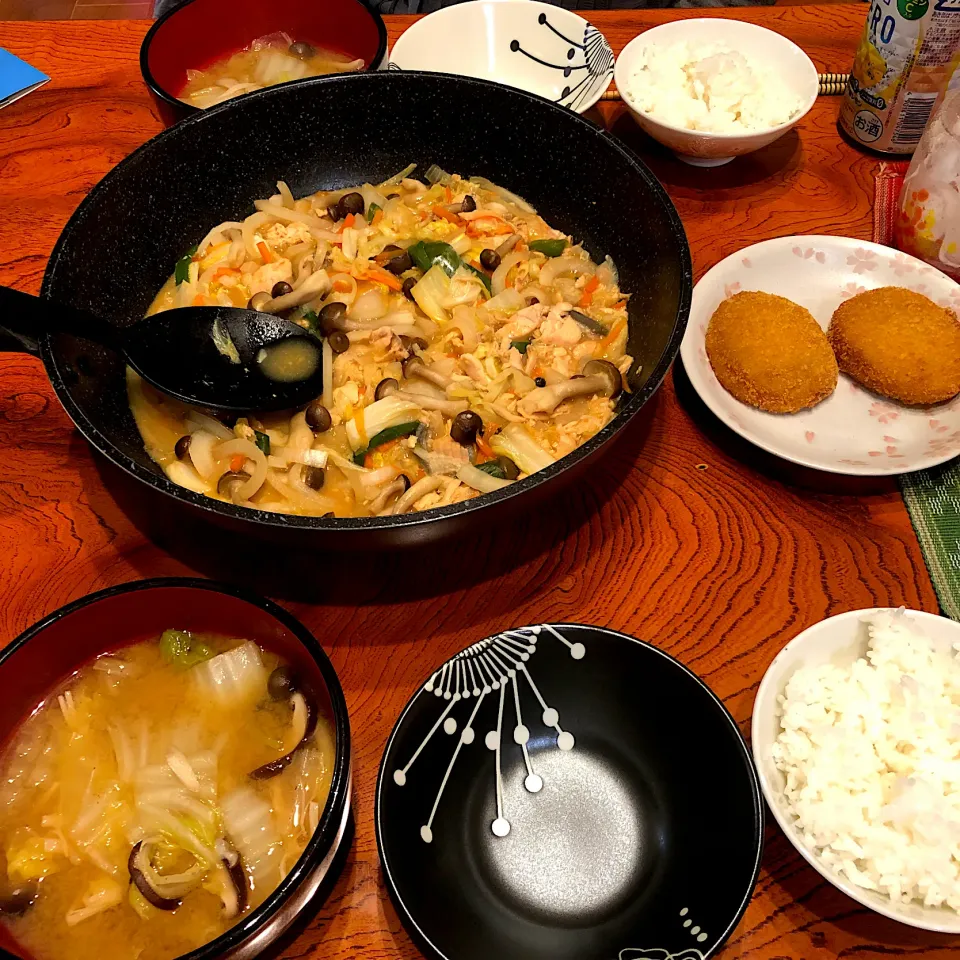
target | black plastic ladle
[{"x": 187, "y": 353}]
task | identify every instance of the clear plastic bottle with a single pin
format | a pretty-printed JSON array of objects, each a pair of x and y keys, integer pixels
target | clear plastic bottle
[{"x": 928, "y": 224}]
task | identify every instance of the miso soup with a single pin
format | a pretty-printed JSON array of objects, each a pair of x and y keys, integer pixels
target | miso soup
[{"x": 158, "y": 797}]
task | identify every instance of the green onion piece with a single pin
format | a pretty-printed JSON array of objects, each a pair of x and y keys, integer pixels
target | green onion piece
[
  {"x": 372, "y": 211},
  {"x": 385, "y": 436},
  {"x": 427, "y": 254},
  {"x": 520, "y": 345},
  {"x": 550, "y": 248},
  {"x": 262, "y": 441},
  {"x": 182, "y": 271},
  {"x": 483, "y": 277},
  {"x": 313, "y": 323},
  {"x": 179, "y": 648},
  {"x": 493, "y": 468}
]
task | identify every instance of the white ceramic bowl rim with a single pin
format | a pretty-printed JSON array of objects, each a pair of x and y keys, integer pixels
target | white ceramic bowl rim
[
  {"x": 405, "y": 48},
  {"x": 871, "y": 900},
  {"x": 718, "y": 136}
]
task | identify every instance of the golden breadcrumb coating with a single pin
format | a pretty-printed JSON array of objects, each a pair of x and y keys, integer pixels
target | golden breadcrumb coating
[
  {"x": 899, "y": 344},
  {"x": 770, "y": 353}
]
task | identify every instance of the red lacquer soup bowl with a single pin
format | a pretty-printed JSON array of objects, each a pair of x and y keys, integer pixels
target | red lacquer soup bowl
[
  {"x": 198, "y": 33},
  {"x": 43, "y": 657}
]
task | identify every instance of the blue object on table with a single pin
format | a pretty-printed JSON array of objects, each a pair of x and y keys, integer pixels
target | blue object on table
[{"x": 17, "y": 78}]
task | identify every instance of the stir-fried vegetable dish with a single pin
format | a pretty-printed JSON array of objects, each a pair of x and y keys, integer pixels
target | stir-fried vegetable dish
[
  {"x": 276, "y": 58},
  {"x": 157, "y": 798},
  {"x": 465, "y": 345}
]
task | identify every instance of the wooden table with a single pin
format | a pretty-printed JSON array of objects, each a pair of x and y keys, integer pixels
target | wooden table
[{"x": 685, "y": 536}]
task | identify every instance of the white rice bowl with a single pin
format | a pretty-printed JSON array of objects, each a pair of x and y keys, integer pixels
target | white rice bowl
[
  {"x": 856, "y": 734},
  {"x": 710, "y": 87}
]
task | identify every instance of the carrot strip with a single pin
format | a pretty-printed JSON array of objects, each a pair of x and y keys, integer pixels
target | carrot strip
[
  {"x": 485, "y": 448},
  {"x": 385, "y": 277},
  {"x": 341, "y": 284},
  {"x": 225, "y": 272},
  {"x": 449, "y": 194},
  {"x": 377, "y": 217},
  {"x": 444, "y": 214},
  {"x": 588, "y": 290},
  {"x": 350, "y": 221},
  {"x": 612, "y": 335},
  {"x": 265, "y": 252},
  {"x": 199, "y": 300},
  {"x": 237, "y": 461}
]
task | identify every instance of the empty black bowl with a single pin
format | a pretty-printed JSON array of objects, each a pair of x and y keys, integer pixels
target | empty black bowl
[
  {"x": 565, "y": 792},
  {"x": 125, "y": 238}
]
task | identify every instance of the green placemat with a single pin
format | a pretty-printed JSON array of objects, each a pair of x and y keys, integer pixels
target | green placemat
[{"x": 933, "y": 499}]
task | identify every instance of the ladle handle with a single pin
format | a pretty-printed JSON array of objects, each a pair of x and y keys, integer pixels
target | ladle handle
[{"x": 25, "y": 320}]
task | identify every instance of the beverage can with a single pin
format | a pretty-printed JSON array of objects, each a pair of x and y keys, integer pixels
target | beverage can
[{"x": 907, "y": 59}]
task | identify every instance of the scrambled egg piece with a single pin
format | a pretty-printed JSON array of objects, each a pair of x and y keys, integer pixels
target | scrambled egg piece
[{"x": 279, "y": 235}]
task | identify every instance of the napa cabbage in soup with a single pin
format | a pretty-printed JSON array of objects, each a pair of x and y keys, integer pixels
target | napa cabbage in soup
[{"x": 267, "y": 61}]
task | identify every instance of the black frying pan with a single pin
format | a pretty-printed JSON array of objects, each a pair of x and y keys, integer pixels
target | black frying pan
[{"x": 123, "y": 241}]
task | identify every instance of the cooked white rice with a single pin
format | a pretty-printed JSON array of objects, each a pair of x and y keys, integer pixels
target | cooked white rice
[
  {"x": 871, "y": 756},
  {"x": 710, "y": 87}
]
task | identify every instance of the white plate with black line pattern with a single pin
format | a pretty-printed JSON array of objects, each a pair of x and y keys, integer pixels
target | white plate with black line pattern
[
  {"x": 566, "y": 792},
  {"x": 520, "y": 43}
]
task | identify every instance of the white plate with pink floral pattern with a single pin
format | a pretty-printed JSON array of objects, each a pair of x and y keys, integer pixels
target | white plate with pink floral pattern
[{"x": 854, "y": 431}]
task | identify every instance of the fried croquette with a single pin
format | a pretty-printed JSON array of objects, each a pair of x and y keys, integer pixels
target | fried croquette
[
  {"x": 770, "y": 353},
  {"x": 899, "y": 344}
]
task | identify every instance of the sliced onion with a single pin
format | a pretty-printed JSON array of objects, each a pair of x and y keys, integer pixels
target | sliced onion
[
  {"x": 372, "y": 195},
  {"x": 216, "y": 234},
  {"x": 183, "y": 475},
  {"x": 607, "y": 272},
  {"x": 252, "y": 452},
  {"x": 296, "y": 481},
  {"x": 565, "y": 267},
  {"x": 201, "y": 453},
  {"x": 479, "y": 479},
  {"x": 203, "y": 422},
  {"x": 301, "y": 436},
  {"x": 372, "y": 304},
  {"x": 420, "y": 489},
  {"x": 533, "y": 291},
  {"x": 499, "y": 280},
  {"x": 286, "y": 197},
  {"x": 249, "y": 230},
  {"x": 375, "y": 478}
]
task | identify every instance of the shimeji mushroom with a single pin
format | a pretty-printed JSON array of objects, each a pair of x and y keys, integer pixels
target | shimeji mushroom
[
  {"x": 599, "y": 377},
  {"x": 415, "y": 367}
]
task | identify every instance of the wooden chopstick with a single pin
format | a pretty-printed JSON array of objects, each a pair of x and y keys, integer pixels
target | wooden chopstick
[{"x": 831, "y": 85}]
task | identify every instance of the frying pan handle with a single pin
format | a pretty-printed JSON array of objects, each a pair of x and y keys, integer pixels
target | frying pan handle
[{"x": 25, "y": 320}]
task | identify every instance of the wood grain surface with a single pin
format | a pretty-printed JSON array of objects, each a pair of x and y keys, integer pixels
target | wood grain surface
[{"x": 684, "y": 535}]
